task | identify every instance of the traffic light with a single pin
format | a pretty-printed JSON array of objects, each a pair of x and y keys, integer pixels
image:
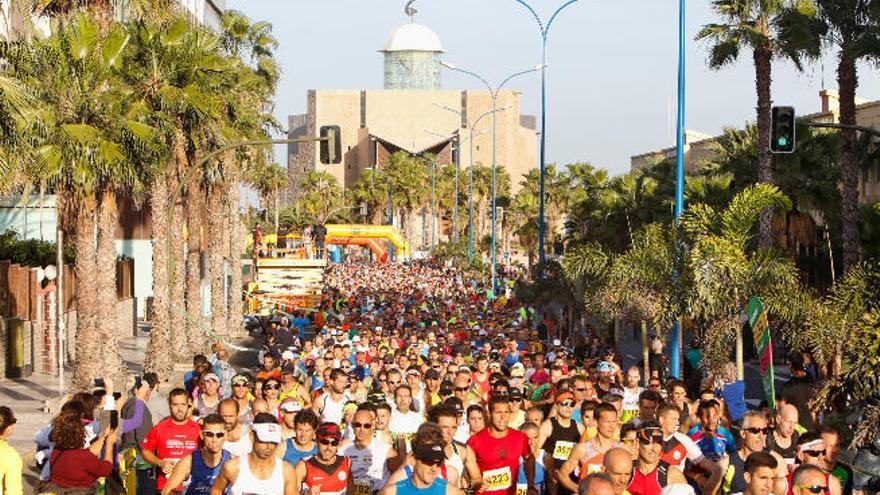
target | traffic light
[
  {"x": 782, "y": 125},
  {"x": 331, "y": 144}
]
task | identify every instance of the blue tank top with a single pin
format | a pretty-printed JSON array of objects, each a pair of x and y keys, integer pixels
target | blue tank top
[
  {"x": 202, "y": 477},
  {"x": 406, "y": 487},
  {"x": 293, "y": 455}
]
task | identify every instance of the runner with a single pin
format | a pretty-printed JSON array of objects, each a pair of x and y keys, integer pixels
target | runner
[
  {"x": 558, "y": 436},
  {"x": 172, "y": 438},
  {"x": 302, "y": 444},
  {"x": 752, "y": 439},
  {"x": 329, "y": 405},
  {"x": 369, "y": 457},
  {"x": 588, "y": 457},
  {"x": 198, "y": 470},
  {"x": 241, "y": 393},
  {"x": 760, "y": 474},
  {"x": 679, "y": 449},
  {"x": 784, "y": 438},
  {"x": 238, "y": 438},
  {"x": 618, "y": 465},
  {"x": 424, "y": 477},
  {"x": 494, "y": 454},
  {"x": 651, "y": 474},
  {"x": 259, "y": 472},
  {"x": 326, "y": 472}
]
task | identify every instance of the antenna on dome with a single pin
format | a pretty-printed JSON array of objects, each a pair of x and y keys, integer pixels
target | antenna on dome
[{"x": 410, "y": 10}]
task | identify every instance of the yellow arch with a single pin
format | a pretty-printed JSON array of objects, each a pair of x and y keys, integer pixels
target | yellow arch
[{"x": 345, "y": 231}]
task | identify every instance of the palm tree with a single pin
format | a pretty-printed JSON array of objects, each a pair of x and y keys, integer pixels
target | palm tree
[
  {"x": 371, "y": 189},
  {"x": 850, "y": 26},
  {"x": 410, "y": 185},
  {"x": 770, "y": 28},
  {"x": 323, "y": 195}
]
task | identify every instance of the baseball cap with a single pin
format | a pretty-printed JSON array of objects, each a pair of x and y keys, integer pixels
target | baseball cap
[
  {"x": 287, "y": 355},
  {"x": 413, "y": 372},
  {"x": 267, "y": 432},
  {"x": 605, "y": 367},
  {"x": 291, "y": 405},
  {"x": 564, "y": 396},
  {"x": 328, "y": 430},
  {"x": 432, "y": 374},
  {"x": 429, "y": 453},
  {"x": 211, "y": 376},
  {"x": 241, "y": 380},
  {"x": 517, "y": 370},
  {"x": 515, "y": 394}
]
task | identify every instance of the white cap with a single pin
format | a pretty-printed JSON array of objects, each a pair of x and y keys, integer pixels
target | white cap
[
  {"x": 287, "y": 355},
  {"x": 267, "y": 432}
]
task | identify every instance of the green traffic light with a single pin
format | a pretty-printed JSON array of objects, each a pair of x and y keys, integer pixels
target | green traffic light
[{"x": 782, "y": 141}]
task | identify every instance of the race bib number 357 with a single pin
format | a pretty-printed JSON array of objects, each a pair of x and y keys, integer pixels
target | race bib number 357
[
  {"x": 497, "y": 479},
  {"x": 562, "y": 450}
]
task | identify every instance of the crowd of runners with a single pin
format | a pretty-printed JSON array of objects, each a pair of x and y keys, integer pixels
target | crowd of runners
[{"x": 411, "y": 379}]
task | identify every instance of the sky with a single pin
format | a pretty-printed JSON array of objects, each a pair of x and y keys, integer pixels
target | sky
[{"x": 611, "y": 82}]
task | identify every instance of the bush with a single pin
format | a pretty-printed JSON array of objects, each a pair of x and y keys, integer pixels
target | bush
[{"x": 30, "y": 252}]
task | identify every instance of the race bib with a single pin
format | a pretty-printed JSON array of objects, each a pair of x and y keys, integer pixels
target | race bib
[
  {"x": 562, "y": 450},
  {"x": 522, "y": 489},
  {"x": 362, "y": 488},
  {"x": 497, "y": 479}
]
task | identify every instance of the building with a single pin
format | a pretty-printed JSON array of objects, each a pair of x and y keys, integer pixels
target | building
[
  {"x": 205, "y": 12},
  {"x": 700, "y": 147},
  {"x": 412, "y": 113}
]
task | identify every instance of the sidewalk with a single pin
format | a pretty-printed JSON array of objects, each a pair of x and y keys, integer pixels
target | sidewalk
[{"x": 27, "y": 397}]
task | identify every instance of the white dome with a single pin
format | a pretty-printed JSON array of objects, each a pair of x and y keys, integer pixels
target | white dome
[{"x": 412, "y": 37}]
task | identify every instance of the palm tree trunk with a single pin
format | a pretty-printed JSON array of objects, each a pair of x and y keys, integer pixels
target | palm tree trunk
[
  {"x": 177, "y": 282},
  {"x": 87, "y": 366},
  {"x": 216, "y": 256},
  {"x": 157, "y": 358},
  {"x": 763, "y": 79},
  {"x": 235, "y": 320},
  {"x": 847, "y": 81},
  {"x": 194, "y": 200},
  {"x": 105, "y": 274}
]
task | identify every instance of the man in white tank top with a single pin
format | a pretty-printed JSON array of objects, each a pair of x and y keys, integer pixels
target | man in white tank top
[
  {"x": 238, "y": 437},
  {"x": 329, "y": 406},
  {"x": 368, "y": 456},
  {"x": 259, "y": 472}
]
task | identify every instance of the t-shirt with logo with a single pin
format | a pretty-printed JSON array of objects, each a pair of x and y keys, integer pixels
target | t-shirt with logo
[
  {"x": 499, "y": 460},
  {"x": 171, "y": 441}
]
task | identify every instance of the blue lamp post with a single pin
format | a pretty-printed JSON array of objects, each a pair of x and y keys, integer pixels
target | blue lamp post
[
  {"x": 675, "y": 347},
  {"x": 494, "y": 93},
  {"x": 545, "y": 31}
]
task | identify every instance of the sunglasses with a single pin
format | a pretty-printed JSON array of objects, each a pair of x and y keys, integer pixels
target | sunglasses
[
  {"x": 240, "y": 385},
  {"x": 580, "y": 389},
  {"x": 817, "y": 489},
  {"x": 214, "y": 434},
  {"x": 755, "y": 430},
  {"x": 462, "y": 389},
  {"x": 648, "y": 440},
  {"x": 566, "y": 403},
  {"x": 431, "y": 462},
  {"x": 394, "y": 383},
  {"x": 814, "y": 453},
  {"x": 270, "y": 387},
  {"x": 365, "y": 426},
  {"x": 333, "y": 443},
  {"x": 629, "y": 441}
]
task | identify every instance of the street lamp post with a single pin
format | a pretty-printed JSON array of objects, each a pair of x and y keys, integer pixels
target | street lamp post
[
  {"x": 675, "y": 347},
  {"x": 473, "y": 128},
  {"x": 494, "y": 93},
  {"x": 545, "y": 31}
]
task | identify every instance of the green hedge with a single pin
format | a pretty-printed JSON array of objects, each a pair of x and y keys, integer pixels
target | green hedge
[{"x": 31, "y": 252}]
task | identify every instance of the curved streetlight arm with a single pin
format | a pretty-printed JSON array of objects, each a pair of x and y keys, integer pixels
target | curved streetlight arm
[
  {"x": 521, "y": 73},
  {"x": 545, "y": 29},
  {"x": 535, "y": 15},
  {"x": 472, "y": 74},
  {"x": 553, "y": 17}
]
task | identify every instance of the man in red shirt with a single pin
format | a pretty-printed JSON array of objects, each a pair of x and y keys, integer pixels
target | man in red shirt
[
  {"x": 172, "y": 438},
  {"x": 494, "y": 454}
]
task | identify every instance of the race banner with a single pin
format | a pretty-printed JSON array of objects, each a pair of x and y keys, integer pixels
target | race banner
[{"x": 761, "y": 335}]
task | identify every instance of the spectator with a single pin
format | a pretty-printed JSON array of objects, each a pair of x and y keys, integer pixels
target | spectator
[
  {"x": 73, "y": 466},
  {"x": 10, "y": 461}
]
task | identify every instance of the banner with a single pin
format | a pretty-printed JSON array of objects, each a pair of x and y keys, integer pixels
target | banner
[{"x": 761, "y": 335}]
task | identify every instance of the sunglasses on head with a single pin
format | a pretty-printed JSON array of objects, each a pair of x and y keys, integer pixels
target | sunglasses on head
[
  {"x": 755, "y": 430},
  {"x": 327, "y": 441},
  {"x": 365, "y": 426},
  {"x": 213, "y": 434},
  {"x": 817, "y": 489}
]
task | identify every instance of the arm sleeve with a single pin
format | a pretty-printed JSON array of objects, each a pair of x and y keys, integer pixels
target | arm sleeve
[
  {"x": 96, "y": 467},
  {"x": 135, "y": 421},
  {"x": 692, "y": 452}
]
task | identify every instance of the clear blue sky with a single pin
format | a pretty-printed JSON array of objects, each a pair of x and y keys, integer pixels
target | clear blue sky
[{"x": 612, "y": 76}]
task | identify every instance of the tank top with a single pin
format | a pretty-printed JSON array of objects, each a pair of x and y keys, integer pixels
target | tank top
[
  {"x": 734, "y": 481},
  {"x": 293, "y": 455},
  {"x": 405, "y": 487},
  {"x": 240, "y": 447},
  {"x": 202, "y": 476},
  {"x": 562, "y": 440},
  {"x": 649, "y": 484},
  {"x": 331, "y": 411},
  {"x": 368, "y": 466},
  {"x": 204, "y": 409},
  {"x": 788, "y": 453},
  {"x": 455, "y": 461},
  {"x": 333, "y": 479},
  {"x": 248, "y": 484}
]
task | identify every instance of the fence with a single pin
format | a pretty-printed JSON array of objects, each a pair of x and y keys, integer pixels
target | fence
[{"x": 28, "y": 312}]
